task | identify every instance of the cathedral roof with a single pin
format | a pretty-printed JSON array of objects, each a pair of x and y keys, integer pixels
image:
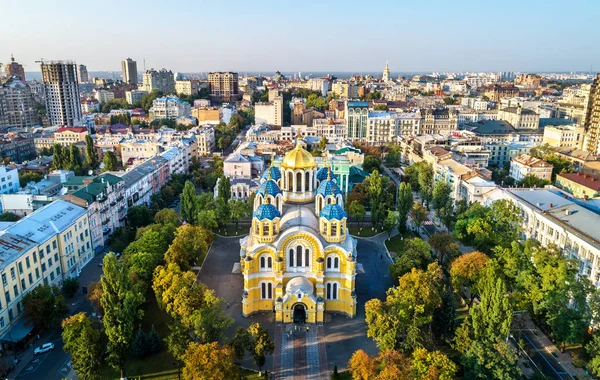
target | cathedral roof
[
  {"x": 328, "y": 187},
  {"x": 322, "y": 174},
  {"x": 269, "y": 187},
  {"x": 333, "y": 211},
  {"x": 299, "y": 285},
  {"x": 275, "y": 173},
  {"x": 266, "y": 211},
  {"x": 298, "y": 158}
]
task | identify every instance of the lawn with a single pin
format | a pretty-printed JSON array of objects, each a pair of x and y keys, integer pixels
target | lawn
[
  {"x": 364, "y": 230},
  {"x": 230, "y": 230},
  {"x": 396, "y": 243},
  {"x": 161, "y": 366}
]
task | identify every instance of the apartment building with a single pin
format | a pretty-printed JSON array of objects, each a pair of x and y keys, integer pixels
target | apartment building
[
  {"x": 17, "y": 106},
  {"x": 564, "y": 136},
  {"x": 137, "y": 149},
  {"x": 592, "y": 119},
  {"x": 551, "y": 218},
  {"x": 67, "y": 136},
  {"x": 104, "y": 198},
  {"x": 187, "y": 87},
  {"x": 134, "y": 96},
  {"x": 14, "y": 69},
  {"x": 62, "y": 92},
  {"x": 525, "y": 165},
  {"x": 162, "y": 80},
  {"x": 169, "y": 107},
  {"x": 129, "y": 71},
  {"x": 581, "y": 185},
  {"x": 438, "y": 121},
  {"x": 519, "y": 117},
  {"x": 104, "y": 96},
  {"x": 224, "y": 86},
  {"x": 9, "y": 180},
  {"x": 269, "y": 112},
  {"x": 205, "y": 138},
  {"x": 145, "y": 180}
]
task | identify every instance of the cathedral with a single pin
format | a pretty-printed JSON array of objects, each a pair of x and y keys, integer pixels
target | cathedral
[{"x": 298, "y": 260}]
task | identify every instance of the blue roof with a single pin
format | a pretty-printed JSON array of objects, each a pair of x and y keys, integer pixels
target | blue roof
[
  {"x": 333, "y": 211},
  {"x": 358, "y": 104},
  {"x": 270, "y": 187},
  {"x": 266, "y": 211},
  {"x": 322, "y": 174},
  {"x": 275, "y": 173},
  {"x": 328, "y": 187}
]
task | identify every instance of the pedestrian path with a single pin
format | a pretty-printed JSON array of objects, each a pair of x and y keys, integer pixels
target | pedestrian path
[{"x": 300, "y": 354}]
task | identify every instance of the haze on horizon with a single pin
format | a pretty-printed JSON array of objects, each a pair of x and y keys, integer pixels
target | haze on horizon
[{"x": 342, "y": 36}]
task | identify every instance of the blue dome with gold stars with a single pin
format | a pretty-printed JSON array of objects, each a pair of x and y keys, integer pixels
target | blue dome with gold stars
[
  {"x": 328, "y": 187},
  {"x": 333, "y": 211},
  {"x": 322, "y": 174},
  {"x": 275, "y": 173},
  {"x": 266, "y": 211},
  {"x": 269, "y": 187}
]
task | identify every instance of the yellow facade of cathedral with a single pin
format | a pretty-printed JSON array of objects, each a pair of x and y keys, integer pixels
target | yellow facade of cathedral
[{"x": 298, "y": 260}]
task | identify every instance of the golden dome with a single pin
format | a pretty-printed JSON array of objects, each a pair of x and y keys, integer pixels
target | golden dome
[{"x": 298, "y": 158}]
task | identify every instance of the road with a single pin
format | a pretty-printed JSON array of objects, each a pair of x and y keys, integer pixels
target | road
[
  {"x": 54, "y": 364},
  {"x": 543, "y": 360}
]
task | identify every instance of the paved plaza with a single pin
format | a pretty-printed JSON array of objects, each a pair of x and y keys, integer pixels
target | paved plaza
[{"x": 303, "y": 354}]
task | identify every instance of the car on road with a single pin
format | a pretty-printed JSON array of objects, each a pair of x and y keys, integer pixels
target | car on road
[{"x": 44, "y": 348}]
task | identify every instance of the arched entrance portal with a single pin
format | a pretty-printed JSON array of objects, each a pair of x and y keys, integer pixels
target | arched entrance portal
[{"x": 299, "y": 313}]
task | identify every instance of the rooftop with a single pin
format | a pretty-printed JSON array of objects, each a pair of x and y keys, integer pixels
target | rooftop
[
  {"x": 527, "y": 160},
  {"x": 490, "y": 127},
  {"x": 591, "y": 182},
  {"x": 47, "y": 221}
]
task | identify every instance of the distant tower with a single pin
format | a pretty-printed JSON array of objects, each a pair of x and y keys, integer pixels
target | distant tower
[
  {"x": 62, "y": 92},
  {"x": 82, "y": 74},
  {"x": 129, "y": 71},
  {"x": 14, "y": 69},
  {"x": 386, "y": 73}
]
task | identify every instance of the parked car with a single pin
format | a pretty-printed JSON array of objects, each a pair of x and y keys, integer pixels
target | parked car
[{"x": 44, "y": 348}]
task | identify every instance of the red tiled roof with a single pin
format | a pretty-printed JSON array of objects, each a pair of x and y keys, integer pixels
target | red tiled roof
[
  {"x": 72, "y": 129},
  {"x": 586, "y": 180}
]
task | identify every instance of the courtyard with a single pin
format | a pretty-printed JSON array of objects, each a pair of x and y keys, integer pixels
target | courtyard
[{"x": 304, "y": 354}]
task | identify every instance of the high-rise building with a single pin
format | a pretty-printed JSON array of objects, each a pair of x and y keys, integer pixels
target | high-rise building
[
  {"x": 62, "y": 92},
  {"x": 162, "y": 80},
  {"x": 129, "y": 69},
  {"x": 17, "y": 107},
  {"x": 15, "y": 69},
  {"x": 592, "y": 119},
  {"x": 224, "y": 86},
  {"x": 82, "y": 74}
]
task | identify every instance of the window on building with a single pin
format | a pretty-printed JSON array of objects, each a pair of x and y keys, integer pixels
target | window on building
[
  {"x": 43, "y": 267},
  {"x": 54, "y": 244},
  {"x": 4, "y": 281},
  {"x": 332, "y": 291},
  {"x": 2, "y": 324},
  {"x": 299, "y": 256},
  {"x": 12, "y": 273},
  {"x": 16, "y": 290},
  {"x": 266, "y": 290},
  {"x": 20, "y": 268},
  {"x": 27, "y": 264},
  {"x": 7, "y": 297},
  {"x": 30, "y": 279},
  {"x": 37, "y": 274}
]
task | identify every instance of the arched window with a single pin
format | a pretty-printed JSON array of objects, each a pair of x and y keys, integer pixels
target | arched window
[
  {"x": 269, "y": 262},
  {"x": 307, "y": 181},
  {"x": 306, "y": 258},
  {"x": 339, "y": 228},
  {"x": 298, "y": 182},
  {"x": 266, "y": 290},
  {"x": 329, "y": 266},
  {"x": 265, "y": 228},
  {"x": 263, "y": 262},
  {"x": 336, "y": 263},
  {"x": 299, "y": 256},
  {"x": 290, "y": 181},
  {"x": 266, "y": 263},
  {"x": 332, "y": 291},
  {"x": 291, "y": 260}
]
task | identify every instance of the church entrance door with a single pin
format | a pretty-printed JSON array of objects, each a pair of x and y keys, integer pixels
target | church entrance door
[{"x": 299, "y": 313}]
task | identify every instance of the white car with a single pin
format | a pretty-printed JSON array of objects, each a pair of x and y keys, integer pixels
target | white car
[{"x": 44, "y": 348}]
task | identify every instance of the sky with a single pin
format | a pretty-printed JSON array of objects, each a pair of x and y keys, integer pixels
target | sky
[{"x": 290, "y": 36}]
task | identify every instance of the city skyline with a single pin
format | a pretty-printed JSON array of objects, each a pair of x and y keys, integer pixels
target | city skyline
[{"x": 528, "y": 37}]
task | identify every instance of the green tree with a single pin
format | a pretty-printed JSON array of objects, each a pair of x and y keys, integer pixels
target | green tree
[
  {"x": 418, "y": 215},
  {"x": 416, "y": 253},
  {"x": 380, "y": 107},
  {"x": 209, "y": 361},
  {"x": 44, "y": 306},
  {"x": 491, "y": 361},
  {"x": 432, "y": 365},
  {"x": 405, "y": 204},
  {"x": 70, "y": 287},
  {"x": 154, "y": 342},
  {"x": 207, "y": 219},
  {"x": 426, "y": 183},
  {"x": 530, "y": 180},
  {"x": 440, "y": 195},
  {"x": 259, "y": 344},
  {"x": 109, "y": 161},
  {"x": 224, "y": 190},
  {"x": 371, "y": 163},
  {"x": 188, "y": 206},
  {"x": 147, "y": 99},
  {"x": 393, "y": 158},
  {"x": 465, "y": 272},
  {"x": 140, "y": 346},
  {"x": 444, "y": 246},
  {"x": 593, "y": 350},
  {"x": 60, "y": 158},
  {"x": 178, "y": 340},
  {"x": 26, "y": 177},
  {"x": 397, "y": 322},
  {"x": 390, "y": 222},
  {"x": 139, "y": 216},
  {"x": 190, "y": 246},
  {"x": 167, "y": 215},
  {"x": 9, "y": 217},
  {"x": 375, "y": 195},
  {"x": 238, "y": 209},
  {"x": 356, "y": 210},
  {"x": 121, "y": 310},
  {"x": 323, "y": 144},
  {"x": 75, "y": 161},
  {"x": 444, "y": 321},
  {"x": 82, "y": 340},
  {"x": 91, "y": 155}
]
